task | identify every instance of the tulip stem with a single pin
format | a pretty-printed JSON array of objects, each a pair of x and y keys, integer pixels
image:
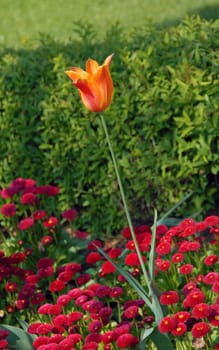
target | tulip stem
[{"x": 145, "y": 273}]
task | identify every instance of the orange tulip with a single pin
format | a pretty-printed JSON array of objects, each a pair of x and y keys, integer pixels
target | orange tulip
[{"x": 95, "y": 85}]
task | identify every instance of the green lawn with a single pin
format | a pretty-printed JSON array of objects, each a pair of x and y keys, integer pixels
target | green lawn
[{"x": 21, "y": 20}]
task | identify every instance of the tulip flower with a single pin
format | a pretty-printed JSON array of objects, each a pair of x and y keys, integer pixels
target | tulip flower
[{"x": 95, "y": 85}]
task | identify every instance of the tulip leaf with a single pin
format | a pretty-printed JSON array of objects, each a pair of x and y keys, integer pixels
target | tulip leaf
[
  {"x": 130, "y": 279},
  {"x": 162, "y": 341},
  {"x": 187, "y": 196},
  {"x": 144, "y": 335},
  {"x": 18, "y": 339}
]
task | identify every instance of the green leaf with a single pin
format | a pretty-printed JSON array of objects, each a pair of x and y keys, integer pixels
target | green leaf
[
  {"x": 18, "y": 339},
  {"x": 151, "y": 262},
  {"x": 161, "y": 341},
  {"x": 175, "y": 207},
  {"x": 130, "y": 279},
  {"x": 144, "y": 335}
]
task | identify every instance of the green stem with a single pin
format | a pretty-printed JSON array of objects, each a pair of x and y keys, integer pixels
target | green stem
[{"x": 146, "y": 277}]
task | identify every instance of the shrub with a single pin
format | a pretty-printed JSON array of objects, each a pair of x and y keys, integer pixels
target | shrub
[{"x": 163, "y": 121}]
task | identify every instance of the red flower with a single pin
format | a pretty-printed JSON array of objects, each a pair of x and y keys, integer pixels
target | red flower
[
  {"x": 4, "y": 344},
  {"x": 188, "y": 288},
  {"x": 93, "y": 244},
  {"x": 201, "y": 310},
  {"x": 63, "y": 299},
  {"x": 167, "y": 324},
  {"x": 105, "y": 312},
  {"x": 181, "y": 316},
  {"x": 38, "y": 215},
  {"x": 70, "y": 214},
  {"x": 60, "y": 320},
  {"x": 43, "y": 340},
  {"x": 32, "y": 279},
  {"x": 114, "y": 253},
  {"x": 17, "y": 258},
  {"x": 8, "y": 209},
  {"x": 131, "y": 312},
  {"x": 179, "y": 330},
  {"x": 212, "y": 220},
  {"x": 38, "y": 298},
  {"x": 133, "y": 260},
  {"x": 196, "y": 296},
  {"x": 92, "y": 345},
  {"x": 193, "y": 246},
  {"x": 168, "y": 298},
  {"x": 48, "y": 190},
  {"x": 97, "y": 337},
  {"x": 81, "y": 234},
  {"x": 107, "y": 268},
  {"x": 103, "y": 291},
  {"x": 93, "y": 257},
  {"x": 45, "y": 262},
  {"x": 25, "y": 224},
  {"x": 70, "y": 341},
  {"x": 214, "y": 315},
  {"x": 11, "y": 287},
  {"x": 75, "y": 316},
  {"x": 124, "y": 341},
  {"x": 115, "y": 292},
  {"x": 28, "y": 198},
  {"x": 108, "y": 337},
  {"x": 95, "y": 326},
  {"x": 83, "y": 278},
  {"x": 210, "y": 278},
  {"x": 163, "y": 248},
  {"x": 44, "y": 328},
  {"x": 215, "y": 287},
  {"x": 177, "y": 258},
  {"x": 46, "y": 240},
  {"x": 200, "y": 329},
  {"x": 51, "y": 222},
  {"x": 210, "y": 259},
  {"x": 92, "y": 306},
  {"x": 186, "y": 269},
  {"x": 56, "y": 286},
  {"x": 164, "y": 265}
]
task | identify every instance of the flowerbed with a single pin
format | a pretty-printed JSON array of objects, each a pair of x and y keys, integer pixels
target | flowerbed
[{"x": 53, "y": 277}]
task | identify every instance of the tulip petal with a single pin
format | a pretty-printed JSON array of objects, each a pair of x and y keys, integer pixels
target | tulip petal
[
  {"x": 76, "y": 73},
  {"x": 88, "y": 95},
  {"x": 104, "y": 82},
  {"x": 108, "y": 60},
  {"x": 91, "y": 66}
]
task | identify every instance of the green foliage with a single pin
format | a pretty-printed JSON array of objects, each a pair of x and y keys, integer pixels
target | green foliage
[
  {"x": 18, "y": 338},
  {"x": 163, "y": 121}
]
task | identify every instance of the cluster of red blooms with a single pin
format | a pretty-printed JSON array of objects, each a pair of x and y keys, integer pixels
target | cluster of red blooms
[
  {"x": 77, "y": 313},
  {"x": 90, "y": 320},
  {"x": 23, "y": 194}
]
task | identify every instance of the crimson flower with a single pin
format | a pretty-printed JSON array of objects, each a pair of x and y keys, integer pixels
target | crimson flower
[
  {"x": 186, "y": 269},
  {"x": 167, "y": 324},
  {"x": 168, "y": 298},
  {"x": 201, "y": 310},
  {"x": 25, "y": 224},
  {"x": 50, "y": 222},
  {"x": 8, "y": 210},
  {"x": 70, "y": 214},
  {"x": 124, "y": 340},
  {"x": 179, "y": 330},
  {"x": 200, "y": 329}
]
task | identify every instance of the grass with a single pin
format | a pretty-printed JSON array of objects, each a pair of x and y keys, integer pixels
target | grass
[{"x": 23, "y": 20}]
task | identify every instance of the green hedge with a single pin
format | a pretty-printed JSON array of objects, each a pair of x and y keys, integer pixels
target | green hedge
[{"x": 163, "y": 122}]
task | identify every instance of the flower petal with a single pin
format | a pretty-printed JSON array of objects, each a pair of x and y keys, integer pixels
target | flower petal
[{"x": 91, "y": 66}]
